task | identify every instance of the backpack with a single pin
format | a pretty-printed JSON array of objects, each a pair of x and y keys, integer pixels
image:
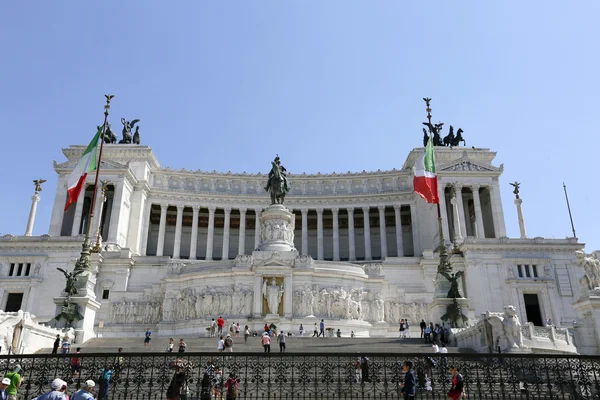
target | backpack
[
  {"x": 228, "y": 342},
  {"x": 232, "y": 391}
]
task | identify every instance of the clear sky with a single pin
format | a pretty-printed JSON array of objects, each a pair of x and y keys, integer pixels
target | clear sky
[{"x": 329, "y": 85}]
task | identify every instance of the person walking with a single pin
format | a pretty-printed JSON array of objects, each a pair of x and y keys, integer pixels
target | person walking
[
  {"x": 237, "y": 330},
  {"x": 177, "y": 386},
  {"x": 281, "y": 341},
  {"x": 147, "y": 337},
  {"x": 221, "y": 344},
  {"x": 15, "y": 382},
  {"x": 231, "y": 387},
  {"x": 266, "y": 342},
  {"x": 56, "y": 345},
  {"x": 105, "y": 376},
  {"x": 220, "y": 325},
  {"x": 409, "y": 388},
  {"x": 246, "y": 333},
  {"x": 66, "y": 345},
  {"x": 85, "y": 393},
  {"x": 301, "y": 330},
  {"x": 213, "y": 328},
  {"x": 315, "y": 332},
  {"x": 3, "y": 385},
  {"x": 229, "y": 343},
  {"x": 171, "y": 345},
  {"x": 457, "y": 389},
  {"x": 423, "y": 325},
  {"x": 322, "y": 329}
]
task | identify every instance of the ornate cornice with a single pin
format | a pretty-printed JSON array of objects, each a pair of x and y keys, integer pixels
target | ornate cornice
[
  {"x": 538, "y": 245},
  {"x": 123, "y": 153}
]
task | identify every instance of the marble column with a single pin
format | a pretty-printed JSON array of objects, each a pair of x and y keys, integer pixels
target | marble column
[
  {"x": 444, "y": 210},
  {"x": 34, "y": 200},
  {"x": 114, "y": 223},
  {"x": 496, "y": 200},
  {"x": 288, "y": 296},
  {"x": 382, "y": 231},
  {"x": 178, "y": 228},
  {"x": 78, "y": 212},
  {"x": 457, "y": 230},
  {"x": 137, "y": 227},
  {"x": 518, "y": 203},
  {"x": 242, "y": 234},
  {"x": 478, "y": 214},
  {"x": 225, "y": 253},
  {"x": 319, "y": 233},
  {"x": 336, "y": 234},
  {"x": 194, "y": 239},
  {"x": 146, "y": 228},
  {"x": 58, "y": 212},
  {"x": 97, "y": 217},
  {"x": 415, "y": 230},
  {"x": 160, "y": 245},
  {"x": 304, "y": 212},
  {"x": 351, "y": 237},
  {"x": 399, "y": 239},
  {"x": 257, "y": 212},
  {"x": 211, "y": 233},
  {"x": 257, "y": 298},
  {"x": 461, "y": 209},
  {"x": 367, "y": 233}
]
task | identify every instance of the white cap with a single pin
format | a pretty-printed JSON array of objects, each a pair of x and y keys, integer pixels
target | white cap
[
  {"x": 90, "y": 383},
  {"x": 58, "y": 383},
  {"x": 6, "y": 381}
]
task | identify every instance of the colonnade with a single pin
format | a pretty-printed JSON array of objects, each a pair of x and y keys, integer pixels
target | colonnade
[{"x": 332, "y": 235}]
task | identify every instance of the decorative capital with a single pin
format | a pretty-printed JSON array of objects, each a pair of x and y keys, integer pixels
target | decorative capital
[
  {"x": 212, "y": 209},
  {"x": 243, "y": 210},
  {"x": 397, "y": 206},
  {"x": 335, "y": 210},
  {"x": 227, "y": 210},
  {"x": 196, "y": 209},
  {"x": 350, "y": 210},
  {"x": 319, "y": 211},
  {"x": 475, "y": 187},
  {"x": 164, "y": 206},
  {"x": 304, "y": 211},
  {"x": 381, "y": 208},
  {"x": 258, "y": 211},
  {"x": 366, "y": 209},
  {"x": 180, "y": 208}
]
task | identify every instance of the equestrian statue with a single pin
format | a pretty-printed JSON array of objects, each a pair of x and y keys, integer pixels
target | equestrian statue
[{"x": 277, "y": 184}]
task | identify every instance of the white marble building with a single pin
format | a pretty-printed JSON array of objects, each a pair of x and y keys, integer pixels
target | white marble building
[{"x": 180, "y": 249}]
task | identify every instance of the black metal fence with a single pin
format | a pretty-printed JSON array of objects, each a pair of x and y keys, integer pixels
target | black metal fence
[{"x": 319, "y": 376}]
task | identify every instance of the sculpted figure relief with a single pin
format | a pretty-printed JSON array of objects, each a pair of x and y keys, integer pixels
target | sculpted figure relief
[
  {"x": 8, "y": 321},
  {"x": 273, "y": 293}
]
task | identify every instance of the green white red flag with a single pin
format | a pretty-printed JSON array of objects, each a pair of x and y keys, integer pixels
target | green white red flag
[
  {"x": 88, "y": 163},
  {"x": 425, "y": 178}
]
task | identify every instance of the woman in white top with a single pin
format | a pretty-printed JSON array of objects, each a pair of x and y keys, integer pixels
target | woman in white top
[{"x": 221, "y": 344}]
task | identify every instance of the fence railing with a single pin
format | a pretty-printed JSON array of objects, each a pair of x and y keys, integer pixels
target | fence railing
[{"x": 317, "y": 376}]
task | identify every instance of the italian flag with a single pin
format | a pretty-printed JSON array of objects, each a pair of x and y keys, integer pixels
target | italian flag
[
  {"x": 425, "y": 180},
  {"x": 88, "y": 163}
]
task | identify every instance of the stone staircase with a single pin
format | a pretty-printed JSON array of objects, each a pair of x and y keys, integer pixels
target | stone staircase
[{"x": 293, "y": 344}]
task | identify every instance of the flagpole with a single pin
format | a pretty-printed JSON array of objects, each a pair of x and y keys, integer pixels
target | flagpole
[
  {"x": 444, "y": 264},
  {"x": 83, "y": 264},
  {"x": 569, "y": 208}
]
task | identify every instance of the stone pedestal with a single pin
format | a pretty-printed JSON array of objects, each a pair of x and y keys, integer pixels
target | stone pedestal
[
  {"x": 439, "y": 307},
  {"x": 277, "y": 225},
  {"x": 587, "y": 331},
  {"x": 84, "y": 328}
]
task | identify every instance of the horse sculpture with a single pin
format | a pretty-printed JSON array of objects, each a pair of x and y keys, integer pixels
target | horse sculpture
[
  {"x": 458, "y": 138},
  {"x": 277, "y": 184},
  {"x": 109, "y": 136}
]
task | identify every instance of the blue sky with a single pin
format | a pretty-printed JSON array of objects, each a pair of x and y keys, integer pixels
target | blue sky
[{"x": 329, "y": 85}]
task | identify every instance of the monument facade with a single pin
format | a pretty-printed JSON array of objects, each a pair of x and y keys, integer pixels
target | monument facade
[{"x": 359, "y": 250}]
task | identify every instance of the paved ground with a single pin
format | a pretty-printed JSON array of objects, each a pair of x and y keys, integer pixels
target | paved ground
[{"x": 294, "y": 344}]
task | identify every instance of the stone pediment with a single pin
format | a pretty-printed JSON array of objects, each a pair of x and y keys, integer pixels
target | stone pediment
[
  {"x": 104, "y": 164},
  {"x": 466, "y": 164}
]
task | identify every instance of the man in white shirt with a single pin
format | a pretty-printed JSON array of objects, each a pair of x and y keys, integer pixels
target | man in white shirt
[
  {"x": 85, "y": 393},
  {"x": 221, "y": 344},
  {"x": 436, "y": 348},
  {"x": 213, "y": 327},
  {"x": 444, "y": 350}
]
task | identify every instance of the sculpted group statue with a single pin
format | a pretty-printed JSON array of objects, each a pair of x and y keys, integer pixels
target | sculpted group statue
[
  {"x": 277, "y": 185},
  {"x": 273, "y": 294},
  {"x": 127, "y": 136},
  {"x": 450, "y": 140},
  {"x": 453, "y": 278},
  {"x": 506, "y": 329},
  {"x": 591, "y": 270}
]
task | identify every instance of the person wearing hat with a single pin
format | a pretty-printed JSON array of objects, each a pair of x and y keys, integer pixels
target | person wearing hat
[
  {"x": 3, "y": 385},
  {"x": 85, "y": 393},
  {"x": 59, "y": 388},
  {"x": 15, "y": 382}
]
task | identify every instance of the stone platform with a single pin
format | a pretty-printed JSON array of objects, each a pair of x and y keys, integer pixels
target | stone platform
[{"x": 304, "y": 344}]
